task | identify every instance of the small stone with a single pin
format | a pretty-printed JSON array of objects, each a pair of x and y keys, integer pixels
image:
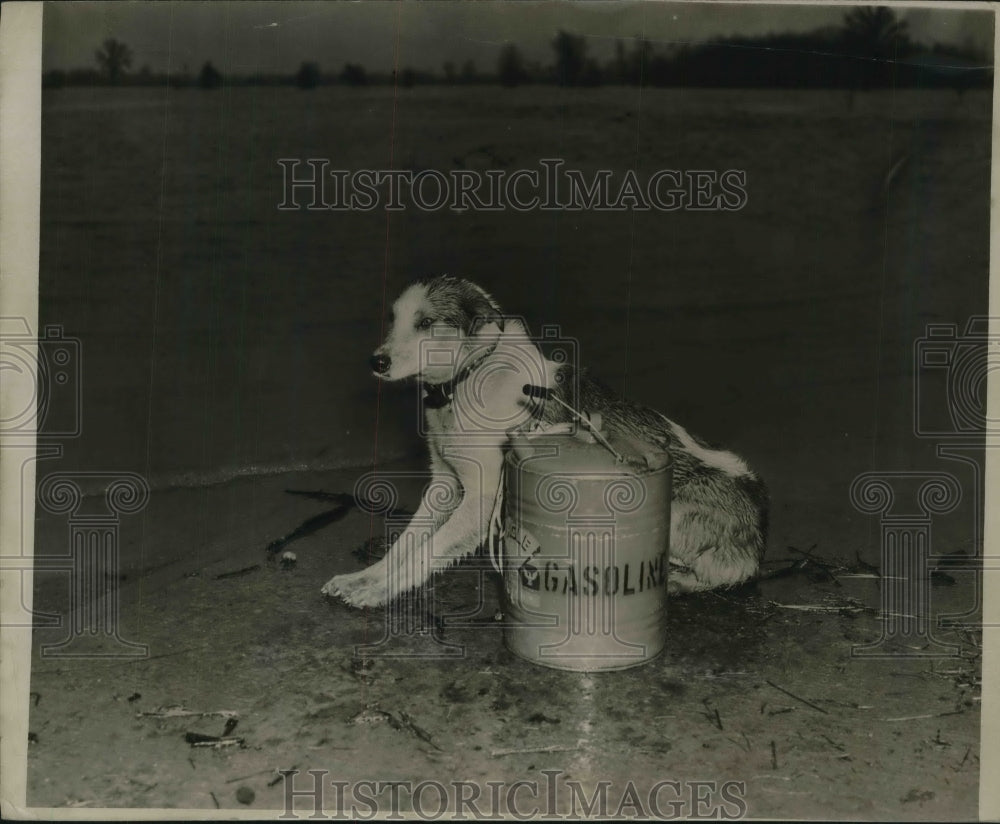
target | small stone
[{"x": 245, "y": 795}]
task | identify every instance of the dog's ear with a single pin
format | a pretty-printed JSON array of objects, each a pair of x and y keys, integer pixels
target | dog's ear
[{"x": 480, "y": 313}]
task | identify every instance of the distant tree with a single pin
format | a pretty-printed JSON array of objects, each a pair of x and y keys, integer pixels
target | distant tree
[
  {"x": 639, "y": 62},
  {"x": 450, "y": 74},
  {"x": 353, "y": 75},
  {"x": 877, "y": 35},
  {"x": 510, "y": 66},
  {"x": 875, "y": 29},
  {"x": 618, "y": 68},
  {"x": 114, "y": 58},
  {"x": 657, "y": 70},
  {"x": 407, "y": 78},
  {"x": 469, "y": 73},
  {"x": 307, "y": 77},
  {"x": 209, "y": 77},
  {"x": 571, "y": 58}
]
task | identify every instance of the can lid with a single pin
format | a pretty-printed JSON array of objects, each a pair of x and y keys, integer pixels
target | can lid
[{"x": 578, "y": 452}]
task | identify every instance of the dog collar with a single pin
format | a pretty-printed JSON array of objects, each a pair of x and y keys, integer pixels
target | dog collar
[{"x": 439, "y": 395}]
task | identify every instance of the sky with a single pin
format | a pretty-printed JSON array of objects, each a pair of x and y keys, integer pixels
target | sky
[{"x": 251, "y": 36}]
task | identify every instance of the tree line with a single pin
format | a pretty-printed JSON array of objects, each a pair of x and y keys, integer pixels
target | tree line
[{"x": 871, "y": 48}]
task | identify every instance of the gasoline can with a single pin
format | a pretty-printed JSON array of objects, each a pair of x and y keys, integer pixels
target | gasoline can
[{"x": 585, "y": 551}]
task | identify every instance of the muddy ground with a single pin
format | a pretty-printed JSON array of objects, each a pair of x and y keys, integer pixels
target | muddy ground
[
  {"x": 224, "y": 359},
  {"x": 749, "y": 689}
]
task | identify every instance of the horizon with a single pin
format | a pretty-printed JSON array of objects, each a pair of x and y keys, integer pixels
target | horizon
[{"x": 274, "y": 37}]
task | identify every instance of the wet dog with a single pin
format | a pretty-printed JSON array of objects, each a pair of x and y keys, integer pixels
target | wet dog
[{"x": 473, "y": 364}]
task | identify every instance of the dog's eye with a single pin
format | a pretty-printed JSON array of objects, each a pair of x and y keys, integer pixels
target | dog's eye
[{"x": 426, "y": 323}]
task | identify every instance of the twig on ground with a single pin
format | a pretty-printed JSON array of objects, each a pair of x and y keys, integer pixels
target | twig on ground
[
  {"x": 924, "y": 715},
  {"x": 795, "y": 565},
  {"x": 422, "y": 734},
  {"x": 321, "y": 495},
  {"x": 872, "y": 575},
  {"x": 215, "y": 742},
  {"x": 181, "y": 712},
  {"x": 797, "y": 698},
  {"x": 853, "y": 705},
  {"x": 807, "y": 553},
  {"x": 722, "y": 674},
  {"x": 245, "y": 777},
  {"x": 818, "y": 607},
  {"x": 527, "y": 750},
  {"x": 861, "y": 564},
  {"x": 280, "y": 775},
  {"x": 309, "y": 526}
]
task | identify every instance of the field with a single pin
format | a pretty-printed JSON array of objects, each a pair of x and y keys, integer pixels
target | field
[{"x": 224, "y": 358}]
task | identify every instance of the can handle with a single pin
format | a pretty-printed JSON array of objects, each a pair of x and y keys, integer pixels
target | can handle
[
  {"x": 496, "y": 523},
  {"x": 533, "y": 391}
]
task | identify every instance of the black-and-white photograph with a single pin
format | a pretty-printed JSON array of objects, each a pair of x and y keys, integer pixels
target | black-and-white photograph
[{"x": 500, "y": 410}]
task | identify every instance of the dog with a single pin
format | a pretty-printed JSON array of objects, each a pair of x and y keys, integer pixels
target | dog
[{"x": 474, "y": 365}]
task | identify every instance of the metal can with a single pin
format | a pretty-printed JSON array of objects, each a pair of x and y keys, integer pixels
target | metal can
[{"x": 585, "y": 550}]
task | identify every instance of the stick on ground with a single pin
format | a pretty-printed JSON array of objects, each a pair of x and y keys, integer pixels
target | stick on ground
[{"x": 798, "y": 698}]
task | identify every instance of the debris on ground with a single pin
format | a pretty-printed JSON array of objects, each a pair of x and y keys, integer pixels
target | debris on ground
[
  {"x": 197, "y": 739},
  {"x": 308, "y": 527},
  {"x": 238, "y": 572},
  {"x": 373, "y": 715},
  {"x": 178, "y": 711},
  {"x": 245, "y": 795}
]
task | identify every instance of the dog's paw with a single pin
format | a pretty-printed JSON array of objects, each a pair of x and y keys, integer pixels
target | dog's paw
[
  {"x": 359, "y": 589},
  {"x": 682, "y": 579}
]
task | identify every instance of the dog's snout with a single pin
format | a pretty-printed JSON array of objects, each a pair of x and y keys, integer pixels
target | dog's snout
[{"x": 380, "y": 363}]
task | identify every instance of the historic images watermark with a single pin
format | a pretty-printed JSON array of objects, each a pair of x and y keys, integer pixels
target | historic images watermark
[
  {"x": 905, "y": 550},
  {"x": 962, "y": 362},
  {"x": 416, "y": 611},
  {"x": 951, "y": 369},
  {"x": 308, "y": 183},
  {"x": 554, "y": 796},
  {"x": 44, "y": 372},
  {"x": 94, "y": 560}
]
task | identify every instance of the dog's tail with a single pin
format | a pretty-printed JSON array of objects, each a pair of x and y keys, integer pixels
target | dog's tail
[{"x": 721, "y": 459}]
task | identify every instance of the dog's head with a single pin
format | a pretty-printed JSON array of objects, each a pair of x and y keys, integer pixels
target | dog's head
[{"x": 437, "y": 326}]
